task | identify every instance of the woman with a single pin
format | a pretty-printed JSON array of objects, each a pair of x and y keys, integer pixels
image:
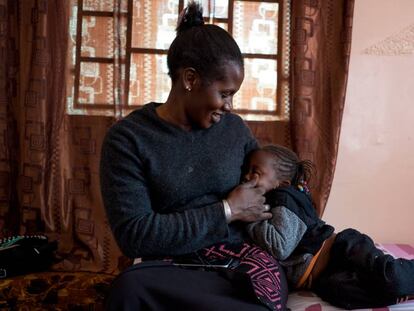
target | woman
[{"x": 169, "y": 176}]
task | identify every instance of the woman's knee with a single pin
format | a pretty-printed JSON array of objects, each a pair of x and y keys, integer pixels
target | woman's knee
[{"x": 125, "y": 292}]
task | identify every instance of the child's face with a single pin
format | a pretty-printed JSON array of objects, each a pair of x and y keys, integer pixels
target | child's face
[{"x": 261, "y": 165}]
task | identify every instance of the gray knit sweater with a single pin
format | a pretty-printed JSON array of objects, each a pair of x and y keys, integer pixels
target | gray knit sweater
[{"x": 162, "y": 186}]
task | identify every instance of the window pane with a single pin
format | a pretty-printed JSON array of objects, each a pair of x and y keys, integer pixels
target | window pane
[
  {"x": 95, "y": 83},
  {"x": 98, "y": 5},
  {"x": 104, "y": 5},
  {"x": 255, "y": 26},
  {"x": 149, "y": 80},
  {"x": 97, "y": 36},
  {"x": 258, "y": 91},
  {"x": 225, "y": 26},
  {"x": 154, "y": 23},
  {"x": 216, "y": 8}
]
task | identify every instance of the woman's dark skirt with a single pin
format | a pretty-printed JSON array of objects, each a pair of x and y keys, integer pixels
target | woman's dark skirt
[{"x": 257, "y": 283}]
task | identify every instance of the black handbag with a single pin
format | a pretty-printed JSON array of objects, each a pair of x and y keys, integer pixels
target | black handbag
[{"x": 25, "y": 254}]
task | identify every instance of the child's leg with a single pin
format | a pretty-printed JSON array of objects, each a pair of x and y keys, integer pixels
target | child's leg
[
  {"x": 344, "y": 289},
  {"x": 390, "y": 276}
]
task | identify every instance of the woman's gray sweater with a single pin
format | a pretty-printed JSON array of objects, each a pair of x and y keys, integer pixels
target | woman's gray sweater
[{"x": 162, "y": 186}]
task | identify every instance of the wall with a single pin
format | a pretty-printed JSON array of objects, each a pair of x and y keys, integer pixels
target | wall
[{"x": 373, "y": 188}]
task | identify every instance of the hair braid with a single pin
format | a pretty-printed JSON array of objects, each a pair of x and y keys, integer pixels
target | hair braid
[{"x": 288, "y": 166}]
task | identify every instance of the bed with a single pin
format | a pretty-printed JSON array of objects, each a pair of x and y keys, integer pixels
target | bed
[{"x": 307, "y": 301}]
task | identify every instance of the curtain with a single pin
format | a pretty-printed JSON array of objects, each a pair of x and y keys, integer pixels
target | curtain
[
  {"x": 321, "y": 40},
  {"x": 9, "y": 62},
  {"x": 49, "y": 181}
]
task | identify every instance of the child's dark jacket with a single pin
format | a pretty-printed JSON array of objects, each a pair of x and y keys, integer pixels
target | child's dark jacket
[{"x": 294, "y": 234}]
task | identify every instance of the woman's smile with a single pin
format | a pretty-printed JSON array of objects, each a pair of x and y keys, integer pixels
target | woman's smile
[{"x": 216, "y": 117}]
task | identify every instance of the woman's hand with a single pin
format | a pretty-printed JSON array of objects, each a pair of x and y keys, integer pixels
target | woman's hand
[{"x": 247, "y": 203}]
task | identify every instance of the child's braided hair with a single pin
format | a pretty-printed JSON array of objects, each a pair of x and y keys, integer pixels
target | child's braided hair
[{"x": 288, "y": 166}]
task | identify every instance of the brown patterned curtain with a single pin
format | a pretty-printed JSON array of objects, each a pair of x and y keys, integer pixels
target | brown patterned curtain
[
  {"x": 32, "y": 91},
  {"x": 321, "y": 41},
  {"x": 9, "y": 213},
  {"x": 49, "y": 161}
]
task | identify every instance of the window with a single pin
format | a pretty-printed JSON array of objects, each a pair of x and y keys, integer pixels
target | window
[{"x": 119, "y": 53}]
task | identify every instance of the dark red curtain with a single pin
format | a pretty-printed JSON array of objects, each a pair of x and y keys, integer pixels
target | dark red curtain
[{"x": 321, "y": 41}]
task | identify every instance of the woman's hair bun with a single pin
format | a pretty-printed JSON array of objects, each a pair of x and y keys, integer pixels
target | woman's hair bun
[{"x": 191, "y": 16}]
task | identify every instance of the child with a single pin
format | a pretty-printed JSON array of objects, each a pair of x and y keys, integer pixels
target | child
[{"x": 345, "y": 269}]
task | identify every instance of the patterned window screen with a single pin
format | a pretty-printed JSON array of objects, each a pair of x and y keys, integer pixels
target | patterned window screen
[{"x": 119, "y": 62}]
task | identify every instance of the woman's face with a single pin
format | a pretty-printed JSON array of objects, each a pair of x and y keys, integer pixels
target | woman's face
[{"x": 207, "y": 102}]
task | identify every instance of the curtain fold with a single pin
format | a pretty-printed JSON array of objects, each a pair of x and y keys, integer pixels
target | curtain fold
[
  {"x": 39, "y": 111},
  {"x": 321, "y": 40},
  {"x": 9, "y": 66}
]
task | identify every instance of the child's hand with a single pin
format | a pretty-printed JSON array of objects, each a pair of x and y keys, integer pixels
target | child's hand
[{"x": 247, "y": 202}]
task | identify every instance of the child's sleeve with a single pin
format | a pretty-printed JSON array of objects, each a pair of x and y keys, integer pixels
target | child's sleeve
[{"x": 279, "y": 235}]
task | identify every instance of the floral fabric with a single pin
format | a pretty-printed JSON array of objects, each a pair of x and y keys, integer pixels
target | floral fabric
[{"x": 55, "y": 291}]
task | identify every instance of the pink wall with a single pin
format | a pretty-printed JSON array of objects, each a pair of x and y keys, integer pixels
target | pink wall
[{"x": 373, "y": 189}]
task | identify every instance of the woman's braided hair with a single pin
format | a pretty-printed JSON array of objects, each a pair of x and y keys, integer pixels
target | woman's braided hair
[{"x": 288, "y": 166}]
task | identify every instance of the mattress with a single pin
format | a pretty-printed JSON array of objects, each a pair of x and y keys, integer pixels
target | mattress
[{"x": 307, "y": 301}]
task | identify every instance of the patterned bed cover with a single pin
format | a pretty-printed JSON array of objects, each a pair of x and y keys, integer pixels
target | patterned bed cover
[{"x": 307, "y": 301}]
